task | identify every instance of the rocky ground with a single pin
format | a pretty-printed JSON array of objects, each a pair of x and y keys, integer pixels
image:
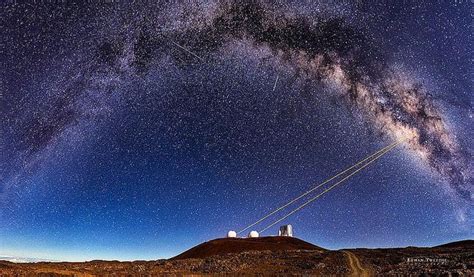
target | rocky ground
[
  {"x": 442, "y": 261},
  {"x": 289, "y": 261}
]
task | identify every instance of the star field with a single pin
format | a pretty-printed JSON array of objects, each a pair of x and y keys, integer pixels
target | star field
[{"x": 136, "y": 130}]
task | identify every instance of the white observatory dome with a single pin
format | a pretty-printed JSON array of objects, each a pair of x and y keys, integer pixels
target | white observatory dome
[
  {"x": 253, "y": 234},
  {"x": 231, "y": 234}
]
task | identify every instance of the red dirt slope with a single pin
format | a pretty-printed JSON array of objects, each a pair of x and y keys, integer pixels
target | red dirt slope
[
  {"x": 467, "y": 244},
  {"x": 238, "y": 245}
]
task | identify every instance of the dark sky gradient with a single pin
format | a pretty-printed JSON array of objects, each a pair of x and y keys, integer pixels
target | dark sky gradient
[{"x": 117, "y": 144}]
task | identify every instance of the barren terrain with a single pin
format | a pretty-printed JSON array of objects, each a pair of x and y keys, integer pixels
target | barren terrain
[{"x": 272, "y": 255}]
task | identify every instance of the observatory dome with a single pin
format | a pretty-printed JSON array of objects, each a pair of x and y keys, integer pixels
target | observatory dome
[
  {"x": 231, "y": 234},
  {"x": 253, "y": 234}
]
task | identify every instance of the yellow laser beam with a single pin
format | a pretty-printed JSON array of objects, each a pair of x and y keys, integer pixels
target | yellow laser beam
[
  {"x": 333, "y": 186},
  {"x": 316, "y": 187}
]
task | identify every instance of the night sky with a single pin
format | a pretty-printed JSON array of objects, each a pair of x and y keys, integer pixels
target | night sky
[{"x": 136, "y": 131}]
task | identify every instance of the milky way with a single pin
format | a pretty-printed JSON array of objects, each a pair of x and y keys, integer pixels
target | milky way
[
  {"x": 328, "y": 50},
  {"x": 137, "y": 78}
]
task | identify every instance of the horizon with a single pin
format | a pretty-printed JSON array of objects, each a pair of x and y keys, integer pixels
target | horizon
[{"x": 24, "y": 259}]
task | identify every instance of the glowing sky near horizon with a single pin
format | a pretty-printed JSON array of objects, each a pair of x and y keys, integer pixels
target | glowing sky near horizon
[{"x": 135, "y": 131}]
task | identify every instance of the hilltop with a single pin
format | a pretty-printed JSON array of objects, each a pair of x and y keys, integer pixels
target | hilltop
[{"x": 273, "y": 256}]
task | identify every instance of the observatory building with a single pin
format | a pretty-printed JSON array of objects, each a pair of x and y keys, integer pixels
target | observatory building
[
  {"x": 253, "y": 234},
  {"x": 286, "y": 231}
]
